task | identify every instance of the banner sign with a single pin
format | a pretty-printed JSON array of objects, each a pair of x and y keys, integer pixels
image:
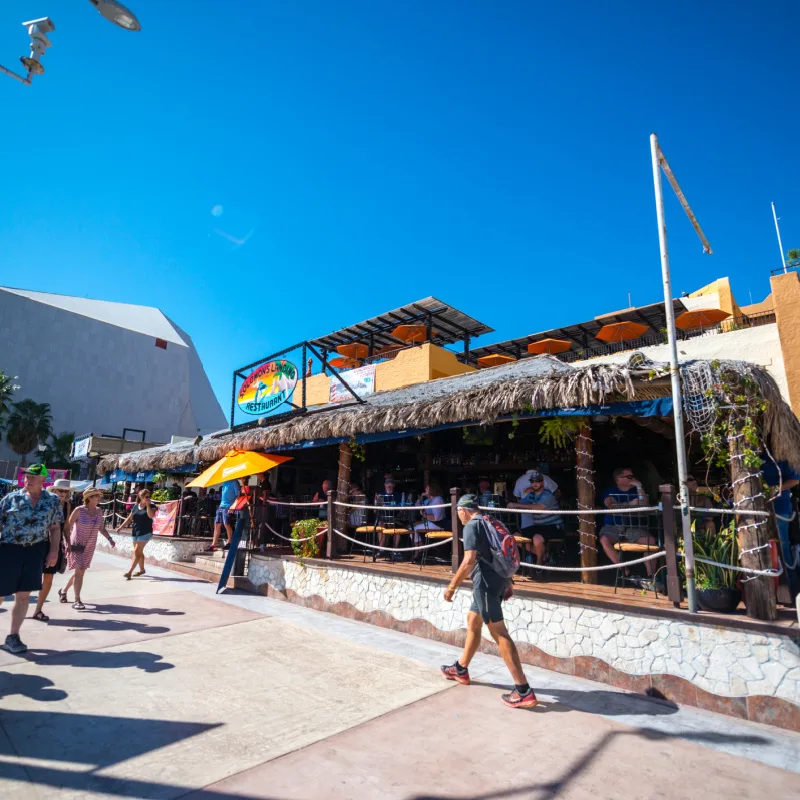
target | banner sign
[
  {"x": 80, "y": 447},
  {"x": 53, "y": 475},
  {"x": 164, "y": 520},
  {"x": 361, "y": 381},
  {"x": 267, "y": 387}
]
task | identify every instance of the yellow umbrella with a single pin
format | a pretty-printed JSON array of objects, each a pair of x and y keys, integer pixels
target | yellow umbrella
[{"x": 237, "y": 464}]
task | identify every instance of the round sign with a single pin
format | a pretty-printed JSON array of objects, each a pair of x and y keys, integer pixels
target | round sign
[{"x": 267, "y": 387}]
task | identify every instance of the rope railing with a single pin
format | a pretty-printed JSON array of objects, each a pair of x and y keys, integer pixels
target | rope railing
[
  {"x": 288, "y": 539},
  {"x": 621, "y": 565},
  {"x": 391, "y": 508},
  {"x": 392, "y": 549},
  {"x": 281, "y": 503},
  {"x": 556, "y": 511},
  {"x": 757, "y": 573}
]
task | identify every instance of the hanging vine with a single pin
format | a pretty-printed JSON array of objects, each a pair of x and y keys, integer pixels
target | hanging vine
[{"x": 560, "y": 432}]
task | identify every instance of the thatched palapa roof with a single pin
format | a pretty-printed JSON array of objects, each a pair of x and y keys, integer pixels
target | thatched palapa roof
[{"x": 536, "y": 384}]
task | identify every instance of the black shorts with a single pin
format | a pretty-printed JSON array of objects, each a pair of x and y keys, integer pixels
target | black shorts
[
  {"x": 21, "y": 567},
  {"x": 547, "y": 532},
  {"x": 488, "y": 603},
  {"x": 61, "y": 564}
]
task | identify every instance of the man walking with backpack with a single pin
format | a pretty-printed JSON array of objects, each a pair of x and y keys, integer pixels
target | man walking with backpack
[{"x": 490, "y": 558}]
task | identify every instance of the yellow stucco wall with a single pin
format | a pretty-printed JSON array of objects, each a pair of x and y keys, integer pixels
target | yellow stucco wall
[
  {"x": 415, "y": 365},
  {"x": 786, "y": 298},
  {"x": 727, "y": 302}
]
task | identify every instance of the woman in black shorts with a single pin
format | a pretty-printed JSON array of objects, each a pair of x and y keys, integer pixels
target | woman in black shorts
[{"x": 61, "y": 489}]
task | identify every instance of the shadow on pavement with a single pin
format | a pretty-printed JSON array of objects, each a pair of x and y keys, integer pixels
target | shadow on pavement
[
  {"x": 99, "y": 659},
  {"x": 552, "y": 789},
  {"x": 84, "y": 623},
  {"x": 32, "y": 686},
  {"x": 115, "y": 608}
]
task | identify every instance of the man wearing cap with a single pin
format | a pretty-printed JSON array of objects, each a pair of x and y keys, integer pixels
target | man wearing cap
[
  {"x": 488, "y": 591},
  {"x": 540, "y": 527},
  {"x": 30, "y": 535}
]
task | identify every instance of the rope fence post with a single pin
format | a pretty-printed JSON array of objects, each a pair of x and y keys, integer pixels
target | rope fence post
[
  {"x": 668, "y": 501},
  {"x": 455, "y": 524},
  {"x": 330, "y": 547}
]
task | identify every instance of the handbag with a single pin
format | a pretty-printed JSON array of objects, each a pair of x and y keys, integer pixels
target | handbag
[{"x": 77, "y": 548}]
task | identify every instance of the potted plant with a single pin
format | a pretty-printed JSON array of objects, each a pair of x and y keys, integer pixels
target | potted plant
[
  {"x": 302, "y": 529},
  {"x": 717, "y": 588}
]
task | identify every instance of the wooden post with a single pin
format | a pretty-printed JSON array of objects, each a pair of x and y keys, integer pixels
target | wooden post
[
  {"x": 455, "y": 526},
  {"x": 343, "y": 491},
  {"x": 587, "y": 526},
  {"x": 179, "y": 521},
  {"x": 331, "y": 546},
  {"x": 668, "y": 501},
  {"x": 753, "y": 532}
]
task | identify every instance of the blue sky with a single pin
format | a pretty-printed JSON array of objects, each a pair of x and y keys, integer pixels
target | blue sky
[{"x": 493, "y": 154}]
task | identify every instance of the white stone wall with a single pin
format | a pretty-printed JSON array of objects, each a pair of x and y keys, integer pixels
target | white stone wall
[
  {"x": 723, "y": 661},
  {"x": 159, "y": 548}
]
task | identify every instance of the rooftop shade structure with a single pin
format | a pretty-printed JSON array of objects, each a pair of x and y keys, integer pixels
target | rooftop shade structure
[
  {"x": 583, "y": 335},
  {"x": 700, "y": 318},
  {"x": 446, "y": 324},
  {"x": 621, "y": 331}
]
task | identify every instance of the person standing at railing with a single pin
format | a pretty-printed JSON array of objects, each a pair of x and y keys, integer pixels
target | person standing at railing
[
  {"x": 781, "y": 476},
  {"x": 626, "y": 493}
]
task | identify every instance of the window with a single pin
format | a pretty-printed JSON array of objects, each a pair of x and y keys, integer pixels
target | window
[{"x": 162, "y": 343}]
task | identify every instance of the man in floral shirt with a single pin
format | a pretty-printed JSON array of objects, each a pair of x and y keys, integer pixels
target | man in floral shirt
[{"x": 30, "y": 533}]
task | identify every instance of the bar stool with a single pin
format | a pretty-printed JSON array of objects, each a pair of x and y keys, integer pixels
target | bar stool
[{"x": 638, "y": 550}]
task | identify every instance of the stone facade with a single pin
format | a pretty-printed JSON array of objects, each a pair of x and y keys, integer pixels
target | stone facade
[
  {"x": 751, "y": 675},
  {"x": 159, "y": 551}
]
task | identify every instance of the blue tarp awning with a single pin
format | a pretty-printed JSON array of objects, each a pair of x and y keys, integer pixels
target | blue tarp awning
[{"x": 119, "y": 475}]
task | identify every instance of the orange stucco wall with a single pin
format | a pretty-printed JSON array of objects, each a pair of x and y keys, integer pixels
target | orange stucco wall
[
  {"x": 786, "y": 297},
  {"x": 415, "y": 365}
]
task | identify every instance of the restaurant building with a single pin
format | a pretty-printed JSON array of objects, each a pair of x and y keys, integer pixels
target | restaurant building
[{"x": 408, "y": 393}]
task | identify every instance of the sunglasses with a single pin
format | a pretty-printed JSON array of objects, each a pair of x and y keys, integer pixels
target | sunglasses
[{"x": 629, "y": 477}]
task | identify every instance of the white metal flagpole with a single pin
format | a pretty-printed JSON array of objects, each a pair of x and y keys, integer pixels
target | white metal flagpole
[
  {"x": 675, "y": 377},
  {"x": 780, "y": 243}
]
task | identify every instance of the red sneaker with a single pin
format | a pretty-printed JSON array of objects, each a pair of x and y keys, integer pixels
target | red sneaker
[
  {"x": 516, "y": 700},
  {"x": 450, "y": 671}
]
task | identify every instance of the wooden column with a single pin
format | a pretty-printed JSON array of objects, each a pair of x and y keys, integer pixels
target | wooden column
[
  {"x": 668, "y": 501},
  {"x": 456, "y": 528},
  {"x": 587, "y": 526},
  {"x": 753, "y": 532},
  {"x": 332, "y": 540},
  {"x": 342, "y": 492}
]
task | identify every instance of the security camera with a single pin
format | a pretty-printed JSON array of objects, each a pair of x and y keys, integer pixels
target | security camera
[{"x": 37, "y": 30}]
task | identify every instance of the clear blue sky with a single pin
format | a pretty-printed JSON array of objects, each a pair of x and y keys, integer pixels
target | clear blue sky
[{"x": 493, "y": 154}]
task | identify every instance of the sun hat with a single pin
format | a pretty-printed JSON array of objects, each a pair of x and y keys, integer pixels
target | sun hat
[
  {"x": 61, "y": 485},
  {"x": 468, "y": 501},
  {"x": 90, "y": 492},
  {"x": 36, "y": 469}
]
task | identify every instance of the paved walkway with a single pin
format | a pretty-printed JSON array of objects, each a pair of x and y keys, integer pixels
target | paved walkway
[{"x": 162, "y": 690}]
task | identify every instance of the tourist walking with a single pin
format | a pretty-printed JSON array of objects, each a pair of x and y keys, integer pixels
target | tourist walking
[
  {"x": 489, "y": 589},
  {"x": 60, "y": 489},
  {"x": 30, "y": 531},
  {"x": 141, "y": 517},
  {"x": 84, "y": 523}
]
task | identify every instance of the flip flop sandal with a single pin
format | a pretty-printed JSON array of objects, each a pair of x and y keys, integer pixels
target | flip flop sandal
[
  {"x": 139, "y": 574},
  {"x": 79, "y": 606},
  {"x": 62, "y": 596},
  {"x": 126, "y": 575},
  {"x": 41, "y": 616}
]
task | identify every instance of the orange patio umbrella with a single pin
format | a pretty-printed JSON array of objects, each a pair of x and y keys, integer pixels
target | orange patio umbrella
[
  {"x": 621, "y": 331},
  {"x": 344, "y": 362},
  {"x": 412, "y": 333},
  {"x": 494, "y": 360},
  {"x": 549, "y": 346},
  {"x": 355, "y": 350},
  {"x": 700, "y": 318},
  {"x": 237, "y": 464}
]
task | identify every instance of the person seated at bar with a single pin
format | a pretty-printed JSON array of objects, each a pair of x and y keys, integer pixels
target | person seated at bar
[
  {"x": 432, "y": 496},
  {"x": 388, "y": 519},
  {"x": 357, "y": 517},
  {"x": 699, "y": 500},
  {"x": 485, "y": 496},
  {"x": 321, "y": 496},
  {"x": 539, "y": 527},
  {"x": 522, "y": 486},
  {"x": 626, "y": 493}
]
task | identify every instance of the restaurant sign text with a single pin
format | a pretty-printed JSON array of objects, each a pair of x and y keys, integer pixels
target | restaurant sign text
[{"x": 267, "y": 387}]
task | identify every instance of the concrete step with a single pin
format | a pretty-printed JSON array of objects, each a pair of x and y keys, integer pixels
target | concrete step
[
  {"x": 208, "y": 569},
  {"x": 210, "y": 562}
]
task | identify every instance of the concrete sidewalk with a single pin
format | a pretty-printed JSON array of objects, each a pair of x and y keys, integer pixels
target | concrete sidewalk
[{"x": 160, "y": 689}]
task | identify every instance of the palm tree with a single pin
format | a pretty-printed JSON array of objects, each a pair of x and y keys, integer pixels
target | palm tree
[
  {"x": 7, "y": 388},
  {"x": 29, "y": 425},
  {"x": 58, "y": 450}
]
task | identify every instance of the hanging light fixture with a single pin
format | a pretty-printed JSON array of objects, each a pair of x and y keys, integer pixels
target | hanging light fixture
[{"x": 118, "y": 14}]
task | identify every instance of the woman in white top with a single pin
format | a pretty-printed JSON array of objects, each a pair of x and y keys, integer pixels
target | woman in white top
[{"x": 431, "y": 497}]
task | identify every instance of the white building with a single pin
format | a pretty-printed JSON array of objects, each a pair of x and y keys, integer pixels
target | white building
[{"x": 105, "y": 366}]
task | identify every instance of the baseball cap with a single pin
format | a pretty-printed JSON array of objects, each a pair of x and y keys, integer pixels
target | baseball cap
[
  {"x": 36, "y": 469},
  {"x": 536, "y": 476},
  {"x": 468, "y": 501}
]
